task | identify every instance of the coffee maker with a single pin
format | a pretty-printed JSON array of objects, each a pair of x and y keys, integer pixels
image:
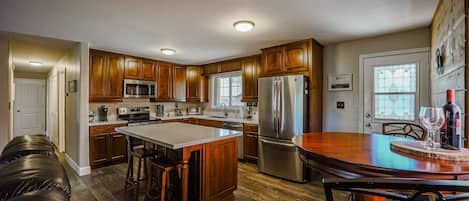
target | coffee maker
[{"x": 102, "y": 113}]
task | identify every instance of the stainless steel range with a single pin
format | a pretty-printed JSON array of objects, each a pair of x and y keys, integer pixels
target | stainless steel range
[{"x": 136, "y": 115}]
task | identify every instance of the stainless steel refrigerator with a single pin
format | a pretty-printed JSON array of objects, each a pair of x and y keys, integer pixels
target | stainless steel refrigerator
[{"x": 283, "y": 114}]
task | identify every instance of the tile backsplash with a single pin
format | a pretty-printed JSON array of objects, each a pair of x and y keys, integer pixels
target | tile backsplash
[{"x": 169, "y": 108}]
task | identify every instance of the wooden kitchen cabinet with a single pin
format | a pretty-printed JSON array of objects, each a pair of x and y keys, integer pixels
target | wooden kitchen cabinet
[
  {"x": 194, "y": 86},
  {"x": 287, "y": 59},
  {"x": 106, "y": 76},
  {"x": 250, "y": 73},
  {"x": 148, "y": 70},
  {"x": 210, "y": 69},
  {"x": 221, "y": 169},
  {"x": 179, "y": 83},
  {"x": 106, "y": 146},
  {"x": 231, "y": 65},
  {"x": 250, "y": 142},
  {"x": 164, "y": 82},
  {"x": 272, "y": 59},
  {"x": 296, "y": 57},
  {"x": 133, "y": 68}
]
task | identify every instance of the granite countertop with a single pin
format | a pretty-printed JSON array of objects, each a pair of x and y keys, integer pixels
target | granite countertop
[
  {"x": 209, "y": 117},
  {"x": 178, "y": 135},
  {"x": 110, "y": 122}
]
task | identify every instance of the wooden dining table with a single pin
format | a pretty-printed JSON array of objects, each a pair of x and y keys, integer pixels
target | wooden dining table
[{"x": 355, "y": 155}]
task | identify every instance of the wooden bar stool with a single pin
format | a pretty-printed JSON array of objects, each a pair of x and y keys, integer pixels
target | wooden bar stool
[
  {"x": 164, "y": 166},
  {"x": 140, "y": 151}
]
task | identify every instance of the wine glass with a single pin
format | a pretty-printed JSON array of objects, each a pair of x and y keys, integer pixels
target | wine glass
[{"x": 433, "y": 119}]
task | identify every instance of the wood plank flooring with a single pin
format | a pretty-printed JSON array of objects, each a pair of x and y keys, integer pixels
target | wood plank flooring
[{"x": 107, "y": 183}]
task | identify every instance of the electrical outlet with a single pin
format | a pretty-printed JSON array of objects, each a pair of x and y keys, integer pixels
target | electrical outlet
[{"x": 340, "y": 104}]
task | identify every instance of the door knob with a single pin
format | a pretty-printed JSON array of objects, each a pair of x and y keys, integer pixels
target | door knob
[
  {"x": 368, "y": 125},
  {"x": 368, "y": 115},
  {"x": 18, "y": 110}
]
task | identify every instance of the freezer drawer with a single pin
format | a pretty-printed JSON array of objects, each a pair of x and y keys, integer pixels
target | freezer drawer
[{"x": 280, "y": 158}]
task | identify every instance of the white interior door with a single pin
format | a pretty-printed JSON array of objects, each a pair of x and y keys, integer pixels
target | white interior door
[
  {"x": 394, "y": 88},
  {"x": 29, "y": 107}
]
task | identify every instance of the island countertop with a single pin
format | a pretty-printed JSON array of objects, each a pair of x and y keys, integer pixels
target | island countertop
[{"x": 177, "y": 135}]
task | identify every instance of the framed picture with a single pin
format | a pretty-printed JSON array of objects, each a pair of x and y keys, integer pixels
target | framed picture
[
  {"x": 340, "y": 82},
  {"x": 72, "y": 86}
]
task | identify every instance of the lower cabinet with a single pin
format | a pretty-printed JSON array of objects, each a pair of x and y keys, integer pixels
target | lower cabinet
[
  {"x": 106, "y": 146},
  {"x": 250, "y": 142}
]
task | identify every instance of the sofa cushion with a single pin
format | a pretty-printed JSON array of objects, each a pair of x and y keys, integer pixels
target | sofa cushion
[
  {"x": 32, "y": 173},
  {"x": 41, "y": 195}
]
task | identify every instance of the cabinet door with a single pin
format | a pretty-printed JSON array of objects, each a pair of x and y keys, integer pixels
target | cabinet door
[
  {"x": 203, "y": 80},
  {"x": 164, "y": 81},
  {"x": 132, "y": 68},
  {"x": 193, "y": 84},
  {"x": 148, "y": 70},
  {"x": 221, "y": 169},
  {"x": 118, "y": 147},
  {"x": 229, "y": 66},
  {"x": 296, "y": 57},
  {"x": 272, "y": 59},
  {"x": 250, "y": 146},
  {"x": 116, "y": 76},
  {"x": 99, "y": 149},
  {"x": 179, "y": 83},
  {"x": 250, "y": 75},
  {"x": 212, "y": 69},
  {"x": 98, "y": 71}
]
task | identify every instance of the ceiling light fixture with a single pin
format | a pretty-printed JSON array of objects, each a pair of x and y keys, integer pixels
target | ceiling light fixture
[
  {"x": 167, "y": 51},
  {"x": 243, "y": 25},
  {"x": 35, "y": 63}
]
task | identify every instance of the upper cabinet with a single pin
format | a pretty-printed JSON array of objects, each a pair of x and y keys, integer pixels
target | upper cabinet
[
  {"x": 164, "y": 82},
  {"x": 212, "y": 69},
  {"x": 106, "y": 76},
  {"x": 179, "y": 83},
  {"x": 290, "y": 58},
  {"x": 195, "y": 84},
  {"x": 231, "y": 65},
  {"x": 139, "y": 69},
  {"x": 250, "y": 73}
]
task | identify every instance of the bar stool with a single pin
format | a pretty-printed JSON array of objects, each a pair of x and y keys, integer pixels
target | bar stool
[
  {"x": 140, "y": 151},
  {"x": 164, "y": 166}
]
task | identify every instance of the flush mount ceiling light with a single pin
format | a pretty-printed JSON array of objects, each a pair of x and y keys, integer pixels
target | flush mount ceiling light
[
  {"x": 35, "y": 63},
  {"x": 243, "y": 25},
  {"x": 167, "y": 51}
]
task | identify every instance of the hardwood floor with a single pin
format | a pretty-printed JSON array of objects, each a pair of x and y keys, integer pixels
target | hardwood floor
[{"x": 107, "y": 183}]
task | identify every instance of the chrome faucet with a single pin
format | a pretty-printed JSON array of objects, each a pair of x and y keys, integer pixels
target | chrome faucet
[{"x": 225, "y": 109}]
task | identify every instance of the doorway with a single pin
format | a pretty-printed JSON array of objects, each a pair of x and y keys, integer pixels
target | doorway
[
  {"x": 29, "y": 107},
  {"x": 394, "y": 86}
]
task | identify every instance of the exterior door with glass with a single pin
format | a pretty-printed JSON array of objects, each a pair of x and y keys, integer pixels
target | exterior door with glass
[{"x": 394, "y": 88}]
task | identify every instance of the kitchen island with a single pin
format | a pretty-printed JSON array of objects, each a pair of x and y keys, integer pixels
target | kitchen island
[{"x": 208, "y": 156}]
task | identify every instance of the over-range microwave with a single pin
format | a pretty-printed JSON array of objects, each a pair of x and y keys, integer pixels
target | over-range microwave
[{"x": 139, "y": 89}]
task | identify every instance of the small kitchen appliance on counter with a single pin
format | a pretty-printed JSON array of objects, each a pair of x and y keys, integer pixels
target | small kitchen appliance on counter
[
  {"x": 102, "y": 113},
  {"x": 194, "y": 110}
]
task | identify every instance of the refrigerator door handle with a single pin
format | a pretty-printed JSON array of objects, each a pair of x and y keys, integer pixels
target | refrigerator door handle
[
  {"x": 280, "y": 106},
  {"x": 277, "y": 86},
  {"x": 277, "y": 143},
  {"x": 275, "y": 106}
]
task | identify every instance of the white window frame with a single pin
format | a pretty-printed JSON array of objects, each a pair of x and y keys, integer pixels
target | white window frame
[
  {"x": 416, "y": 95},
  {"x": 213, "y": 92}
]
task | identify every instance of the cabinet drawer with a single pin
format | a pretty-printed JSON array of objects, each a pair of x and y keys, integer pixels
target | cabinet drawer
[
  {"x": 250, "y": 128},
  {"x": 94, "y": 130}
]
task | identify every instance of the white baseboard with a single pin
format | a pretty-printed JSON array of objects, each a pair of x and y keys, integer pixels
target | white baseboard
[{"x": 81, "y": 171}]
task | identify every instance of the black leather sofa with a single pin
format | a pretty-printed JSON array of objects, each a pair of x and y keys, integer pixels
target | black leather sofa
[{"x": 30, "y": 170}]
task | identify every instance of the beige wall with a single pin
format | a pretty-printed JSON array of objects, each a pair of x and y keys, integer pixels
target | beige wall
[
  {"x": 343, "y": 58},
  {"x": 30, "y": 75},
  {"x": 5, "y": 65},
  {"x": 448, "y": 33}
]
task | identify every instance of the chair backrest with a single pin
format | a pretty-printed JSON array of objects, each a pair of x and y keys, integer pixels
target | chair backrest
[
  {"x": 400, "y": 188},
  {"x": 404, "y": 129}
]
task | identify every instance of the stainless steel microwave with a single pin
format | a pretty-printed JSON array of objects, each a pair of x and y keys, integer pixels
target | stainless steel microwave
[{"x": 139, "y": 89}]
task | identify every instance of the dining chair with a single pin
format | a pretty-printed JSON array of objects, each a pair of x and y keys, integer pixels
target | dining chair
[
  {"x": 403, "y": 189},
  {"x": 404, "y": 129}
]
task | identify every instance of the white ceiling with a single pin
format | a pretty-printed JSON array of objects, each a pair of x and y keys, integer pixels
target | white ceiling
[
  {"x": 44, "y": 50},
  {"x": 201, "y": 30}
]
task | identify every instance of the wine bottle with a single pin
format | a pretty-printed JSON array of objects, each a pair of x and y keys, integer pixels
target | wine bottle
[{"x": 451, "y": 138}]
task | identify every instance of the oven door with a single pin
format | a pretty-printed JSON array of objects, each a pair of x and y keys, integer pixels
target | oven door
[{"x": 139, "y": 89}]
